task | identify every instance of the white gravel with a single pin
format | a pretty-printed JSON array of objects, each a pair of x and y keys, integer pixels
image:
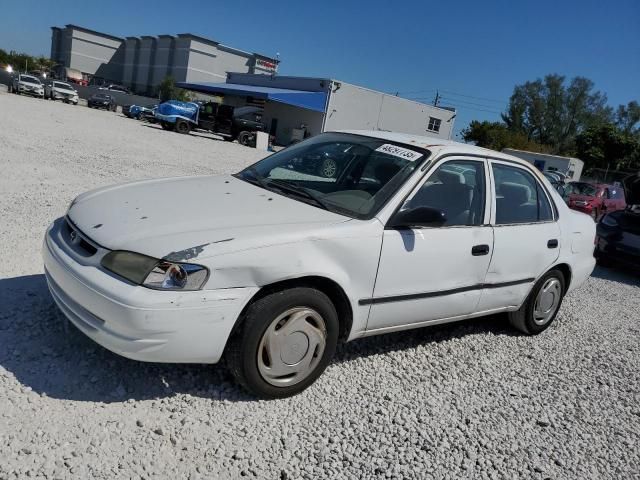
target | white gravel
[{"x": 472, "y": 400}]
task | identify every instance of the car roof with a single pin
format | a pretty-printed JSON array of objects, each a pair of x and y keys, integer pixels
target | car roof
[{"x": 433, "y": 143}]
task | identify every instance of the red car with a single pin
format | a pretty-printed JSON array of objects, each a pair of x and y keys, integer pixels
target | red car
[{"x": 594, "y": 199}]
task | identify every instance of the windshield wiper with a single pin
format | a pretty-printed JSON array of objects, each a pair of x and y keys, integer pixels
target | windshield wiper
[
  {"x": 257, "y": 178},
  {"x": 298, "y": 190}
]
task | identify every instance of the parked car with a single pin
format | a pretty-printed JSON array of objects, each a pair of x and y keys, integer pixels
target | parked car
[
  {"x": 27, "y": 84},
  {"x": 271, "y": 267},
  {"x": 229, "y": 122},
  {"x": 102, "y": 100},
  {"x": 137, "y": 111},
  {"x": 618, "y": 239},
  {"x": 56, "y": 90},
  {"x": 594, "y": 199},
  {"x": 115, "y": 88}
]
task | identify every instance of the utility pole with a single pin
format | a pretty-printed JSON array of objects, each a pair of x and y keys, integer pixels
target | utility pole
[{"x": 437, "y": 99}]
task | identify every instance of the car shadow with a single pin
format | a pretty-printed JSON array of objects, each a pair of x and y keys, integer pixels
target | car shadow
[
  {"x": 48, "y": 355},
  {"x": 208, "y": 136},
  {"x": 619, "y": 274}
]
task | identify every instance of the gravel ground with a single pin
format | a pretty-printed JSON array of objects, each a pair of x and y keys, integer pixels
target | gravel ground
[{"x": 470, "y": 400}]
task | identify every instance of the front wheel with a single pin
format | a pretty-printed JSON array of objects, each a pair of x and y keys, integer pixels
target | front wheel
[
  {"x": 182, "y": 127},
  {"x": 284, "y": 343},
  {"x": 541, "y": 306}
]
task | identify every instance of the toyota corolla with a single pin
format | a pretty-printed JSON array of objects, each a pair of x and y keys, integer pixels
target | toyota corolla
[{"x": 271, "y": 267}]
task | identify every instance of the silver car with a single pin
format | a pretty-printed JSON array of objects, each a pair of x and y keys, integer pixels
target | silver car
[
  {"x": 61, "y": 91},
  {"x": 27, "y": 84}
]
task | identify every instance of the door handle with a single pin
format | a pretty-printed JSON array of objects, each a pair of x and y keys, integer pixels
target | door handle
[
  {"x": 553, "y": 243},
  {"x": 478, "y": 250}
]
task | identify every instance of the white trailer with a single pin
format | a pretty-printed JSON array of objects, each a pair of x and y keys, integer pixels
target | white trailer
[{"x": 569, "y": 166}]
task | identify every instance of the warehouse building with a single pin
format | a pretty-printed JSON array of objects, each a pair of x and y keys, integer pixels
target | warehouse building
[
  {"x": 141, "y": 63},
  {"x": 569, "y": 166},
  {"x": 298, "y": 107}
]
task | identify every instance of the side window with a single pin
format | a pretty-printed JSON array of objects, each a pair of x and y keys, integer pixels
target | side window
[
  {"x": 434, "y": 124},
  {"x": 458, "y": 189},
  {"x": 519, "y": 197}
]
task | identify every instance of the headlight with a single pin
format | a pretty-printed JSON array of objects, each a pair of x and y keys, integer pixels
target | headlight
[
  {"x": 153, "y": 273},
  {"x": 609, "y": 221}
]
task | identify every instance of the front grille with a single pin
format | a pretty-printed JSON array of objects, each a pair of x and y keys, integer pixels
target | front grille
[{"x": 75, "y": 239}]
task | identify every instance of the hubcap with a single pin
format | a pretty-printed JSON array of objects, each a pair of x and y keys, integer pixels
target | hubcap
[
  {"x": 547, "y": 301},
  {"x": 329, "y": 168},
  {"x": 292, "y": 346}
]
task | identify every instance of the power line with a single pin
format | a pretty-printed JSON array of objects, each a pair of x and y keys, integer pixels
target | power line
[
  {"x": 467, "y": 102},
  {"x": 464, "y": 107},
  {"x": 474, "y": 97}
]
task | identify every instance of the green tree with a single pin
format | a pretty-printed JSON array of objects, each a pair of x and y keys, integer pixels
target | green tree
[
  {"x": 552, "y": 112},
  {"x": 628, "y": 117},
  {"x": 167, "y": 90},
  {"x": 607, "y": 145},
  {"x": 496, "y": 136}
]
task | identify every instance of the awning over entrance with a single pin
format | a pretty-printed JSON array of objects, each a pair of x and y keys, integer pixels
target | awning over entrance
[{"x": 315, "y": 101}]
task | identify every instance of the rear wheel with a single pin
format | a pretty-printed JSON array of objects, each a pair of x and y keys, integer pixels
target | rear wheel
[
  {"x": 182, "y": 127},
  {"x": 284, "y": 343},
  {"x": 541, "y": 306}
]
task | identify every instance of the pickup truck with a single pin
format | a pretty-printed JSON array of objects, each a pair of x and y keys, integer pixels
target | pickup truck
[{"x": 229, "y": 122}]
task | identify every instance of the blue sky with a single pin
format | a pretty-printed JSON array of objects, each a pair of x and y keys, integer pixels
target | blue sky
[{"x": 473, "y": 51}]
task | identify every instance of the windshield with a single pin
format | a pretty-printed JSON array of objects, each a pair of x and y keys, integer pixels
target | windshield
[
  {"x": 29, "y": 79},
  {"x": 349, "y": 174},
  {"x": 62, "y": 86},
  {"x": 580, "y": 188}
]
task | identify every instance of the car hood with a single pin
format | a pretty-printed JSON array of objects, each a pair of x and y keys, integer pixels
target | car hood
[
  {"x": 631, "y": 186},
  {"x": 180, "y": 218}
]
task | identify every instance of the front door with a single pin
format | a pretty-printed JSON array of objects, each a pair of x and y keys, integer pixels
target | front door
[
  {"x": 526, "y": 236},
  {"x": 432, "y": 273}
]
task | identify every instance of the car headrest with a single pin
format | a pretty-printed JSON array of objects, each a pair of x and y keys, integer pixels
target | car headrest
[
  {"x": 451, "y": 178},
  {"x": 515, "y": 192}
]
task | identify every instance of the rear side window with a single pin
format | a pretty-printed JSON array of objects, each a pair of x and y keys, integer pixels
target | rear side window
[{"x": 519, "y": 197}]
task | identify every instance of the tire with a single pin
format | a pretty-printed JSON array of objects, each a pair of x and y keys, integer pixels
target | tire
[
  {"x": 527, "y": 319},
  {"x": 182, "y": 127},
  {"x": 243, "y": 138},
  {"x": 312, "y": 317}
]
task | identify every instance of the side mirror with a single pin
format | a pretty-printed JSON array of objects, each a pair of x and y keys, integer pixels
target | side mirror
[
  {"x": 418, "y": 217},
  {"x": 561, "y": 190}
]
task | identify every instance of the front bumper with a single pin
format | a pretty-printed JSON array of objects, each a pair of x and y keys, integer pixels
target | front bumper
[
  {"x": 137, "y": 322},
  {"x": 30, "y": 91}
]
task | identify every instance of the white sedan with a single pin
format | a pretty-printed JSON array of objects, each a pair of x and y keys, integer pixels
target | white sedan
[
  {"x": 273, "y": 266},
  {"x": 57, "y": 90}
]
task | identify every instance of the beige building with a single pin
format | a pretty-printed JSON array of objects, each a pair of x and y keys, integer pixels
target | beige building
[{"x": 141, "y": 63}]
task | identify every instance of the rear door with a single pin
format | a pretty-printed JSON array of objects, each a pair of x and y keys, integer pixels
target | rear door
[{"x": 526, "y": 235}]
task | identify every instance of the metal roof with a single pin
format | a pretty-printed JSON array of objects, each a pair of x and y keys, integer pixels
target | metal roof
[{"x": 315, "y": 101}]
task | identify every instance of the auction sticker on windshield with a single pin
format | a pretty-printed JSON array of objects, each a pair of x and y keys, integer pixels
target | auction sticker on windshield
[{"x": 399, "y": 152}]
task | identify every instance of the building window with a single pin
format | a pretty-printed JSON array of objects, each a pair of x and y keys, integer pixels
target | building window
[{"x": 434, "y": 124}]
